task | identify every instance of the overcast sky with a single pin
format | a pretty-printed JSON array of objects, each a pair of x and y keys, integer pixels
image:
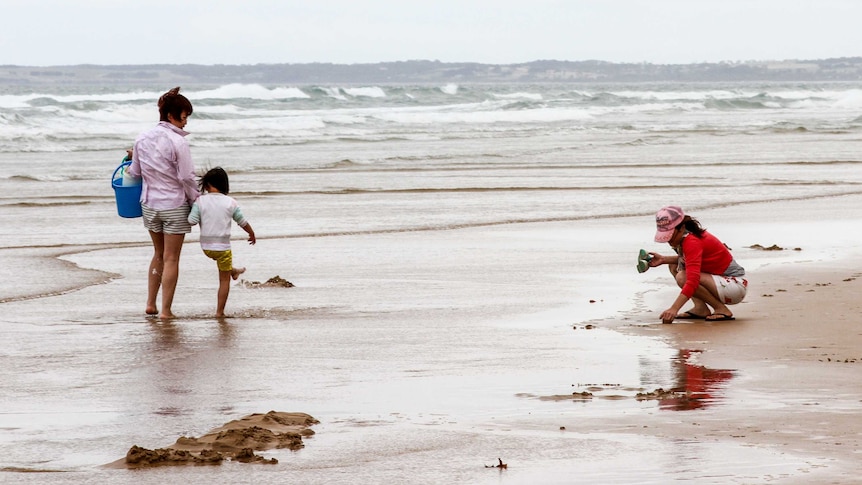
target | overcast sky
[{"x": 56, "y": 32}]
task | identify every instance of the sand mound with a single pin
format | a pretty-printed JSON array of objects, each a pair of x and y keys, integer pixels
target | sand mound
[
  {"x": 274, "y": 282},
  {"x": 236, "y": 440}
]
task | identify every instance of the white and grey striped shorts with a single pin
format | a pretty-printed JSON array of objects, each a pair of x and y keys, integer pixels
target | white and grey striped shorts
[{"x": 169, "y": 221}]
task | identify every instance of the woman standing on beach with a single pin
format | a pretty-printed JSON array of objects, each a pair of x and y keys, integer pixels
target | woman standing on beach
[
  {"x": 161, "y": 156},
  {"x": 703, "y": 268}
]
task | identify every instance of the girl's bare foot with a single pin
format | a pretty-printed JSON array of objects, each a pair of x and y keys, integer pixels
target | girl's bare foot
[
  {"x": 167, "y": 316},
  {"x": 152, "y": 311},
  {"x": 234, "y": 273}
]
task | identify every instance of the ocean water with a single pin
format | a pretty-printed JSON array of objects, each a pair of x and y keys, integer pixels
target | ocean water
[{"x": 462, "y": 256}]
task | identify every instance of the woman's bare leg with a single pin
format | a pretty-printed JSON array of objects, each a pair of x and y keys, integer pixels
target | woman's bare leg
[
  {"x": 154, "y": 274},
  {"x": 708, "y": 292},
  {"x": 705, "y": 296},
  {"x": 170, "y": 274}
]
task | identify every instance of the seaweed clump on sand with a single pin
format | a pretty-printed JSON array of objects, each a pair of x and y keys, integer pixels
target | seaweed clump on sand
[{"x": 774, "y": 247}]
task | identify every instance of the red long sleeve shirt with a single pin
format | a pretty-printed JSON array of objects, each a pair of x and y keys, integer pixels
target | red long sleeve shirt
[{"x": 704, "y": 254}]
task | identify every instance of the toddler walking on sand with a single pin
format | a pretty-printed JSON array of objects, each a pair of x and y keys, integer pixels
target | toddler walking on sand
[{"x": 215, "y": 210}]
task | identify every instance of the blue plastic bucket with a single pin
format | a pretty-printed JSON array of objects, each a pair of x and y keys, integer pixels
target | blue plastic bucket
[{"x": 128, "y": 196}]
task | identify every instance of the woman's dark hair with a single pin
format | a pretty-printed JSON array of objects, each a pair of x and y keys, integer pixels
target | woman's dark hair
[
  {"x": 173, "y": 103},
  {"x": 217, "y": 179},
  {"x": 692, "y": 226}
]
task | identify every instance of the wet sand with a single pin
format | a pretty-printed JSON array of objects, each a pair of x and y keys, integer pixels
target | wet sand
[
  {"x": 795, "y": 351},
  {"x": 783, "y": 377},
  {"x": 420, "y": 374}
]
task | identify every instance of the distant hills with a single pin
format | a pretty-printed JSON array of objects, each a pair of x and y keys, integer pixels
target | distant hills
[{"x": 421, "y": 71}]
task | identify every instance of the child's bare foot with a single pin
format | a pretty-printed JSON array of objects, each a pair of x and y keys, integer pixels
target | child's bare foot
[
  {"x": 234, "y": 273},
  {"x": 152, "y": 311},
  {"x": 167, "y": 316}
]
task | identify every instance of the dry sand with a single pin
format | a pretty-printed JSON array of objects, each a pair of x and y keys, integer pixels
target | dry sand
[{"x": 795, "y": 350}]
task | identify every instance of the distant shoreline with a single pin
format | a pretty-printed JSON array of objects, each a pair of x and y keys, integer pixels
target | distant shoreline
[{"x": 422, "y": 71}]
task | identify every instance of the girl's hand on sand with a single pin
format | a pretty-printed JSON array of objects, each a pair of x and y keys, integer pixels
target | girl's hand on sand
[{"x": 668, "y": 315}]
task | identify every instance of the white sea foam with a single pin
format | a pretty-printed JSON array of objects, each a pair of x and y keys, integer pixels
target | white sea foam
[
  {"x": 12, "y": 101},
  {"x": 520, "y": 95},
  {"x": 365, "y": 92},
  {"x": 248, "y": 91},
  {"x": 41, "y": 121},
  {"x": 450, "y": 88},
  {"x": 334, "y": 92},
  {"x": 850, "y": 99},
  {"x": 483, "y": 117}
]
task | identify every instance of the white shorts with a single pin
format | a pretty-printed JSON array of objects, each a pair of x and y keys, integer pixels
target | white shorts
[{"x": 731, "y": 289}]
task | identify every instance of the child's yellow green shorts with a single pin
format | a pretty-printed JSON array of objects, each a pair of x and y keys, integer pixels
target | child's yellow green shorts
[{"x": 224, "y": 259}]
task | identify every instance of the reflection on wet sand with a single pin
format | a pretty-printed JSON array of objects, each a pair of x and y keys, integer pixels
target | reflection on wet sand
[
  {"x": 696, "y": 386},
  {"x": 189, "y": 363},
  {"x": 693, "y": 386},
  {"x": 166, "y": 335}
]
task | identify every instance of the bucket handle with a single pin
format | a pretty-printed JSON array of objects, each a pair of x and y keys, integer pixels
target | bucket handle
[{"x": 125, "y": 163}]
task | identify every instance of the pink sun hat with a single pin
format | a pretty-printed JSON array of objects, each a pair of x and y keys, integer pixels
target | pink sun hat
[{"x": 666, "y": 220}]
